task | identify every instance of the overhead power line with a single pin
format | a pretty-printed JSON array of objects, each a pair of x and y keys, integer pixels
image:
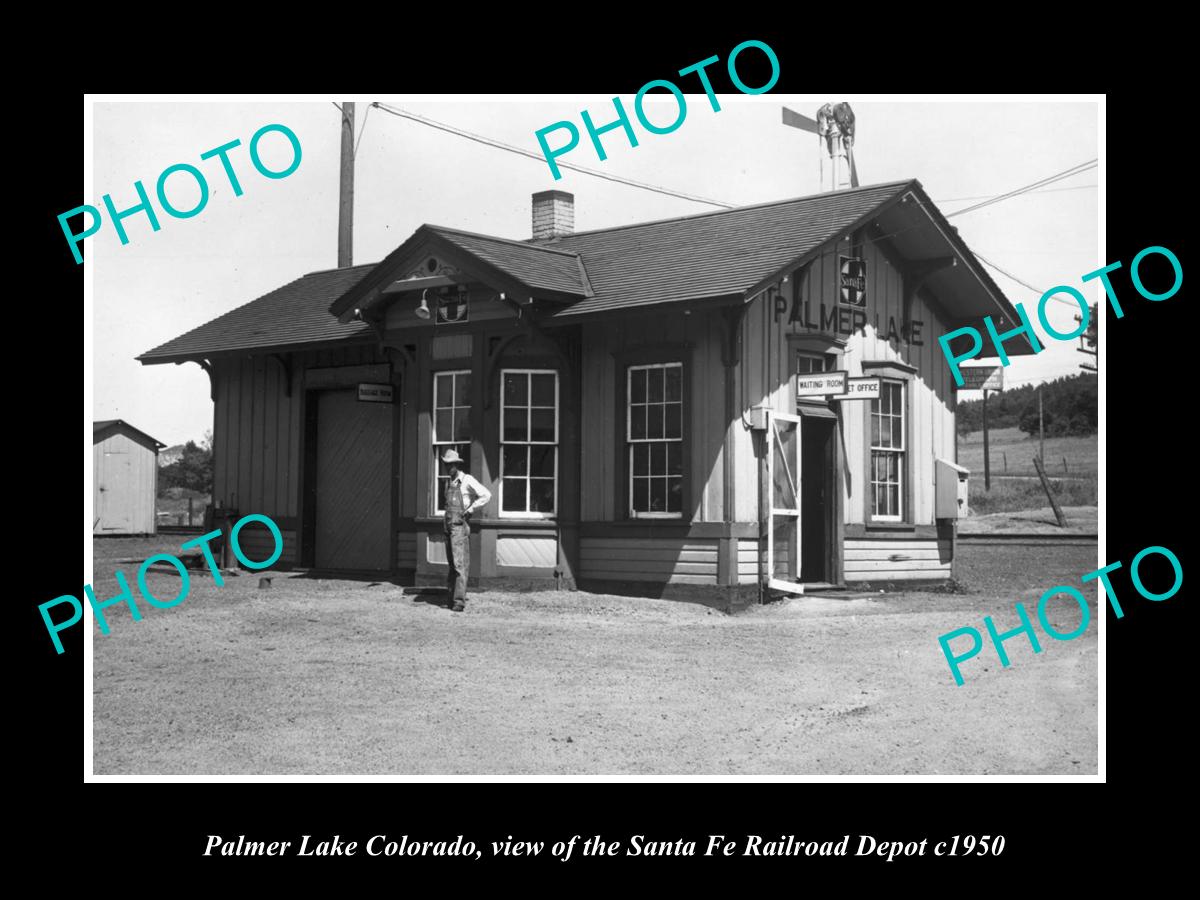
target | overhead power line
[
  {"x": 1058, "y": 176},
  {"x": 500, "y": 145},
  {"x": 358, "y": 140},
  {"x": 1026, "y": 284},
  {"x": 985, "y": 260},
  {"x": 1075, "y": 187}
]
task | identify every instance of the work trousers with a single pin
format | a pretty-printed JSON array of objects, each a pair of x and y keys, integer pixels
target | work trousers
[{"x": 458, "y": 555}]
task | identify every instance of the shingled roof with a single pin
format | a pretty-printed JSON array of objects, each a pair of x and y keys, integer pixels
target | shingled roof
[
  {"x": 537, "y": 266},
  {"x": 712, "y": 254},
  {"x": 730, "y": 253},
  {"x": 293, "y": 315}
]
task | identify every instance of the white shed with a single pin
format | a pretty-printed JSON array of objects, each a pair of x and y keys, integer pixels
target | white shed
[{"x": 125, "y": 478}]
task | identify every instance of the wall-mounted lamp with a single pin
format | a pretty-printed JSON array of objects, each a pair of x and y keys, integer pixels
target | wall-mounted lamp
[{"x": 422, "y": 311}]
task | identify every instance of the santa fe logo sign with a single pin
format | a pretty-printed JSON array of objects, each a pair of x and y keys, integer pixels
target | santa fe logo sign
[{"x": 854, "y": 281}]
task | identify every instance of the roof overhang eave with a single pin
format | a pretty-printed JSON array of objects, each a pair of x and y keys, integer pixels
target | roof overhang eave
[
  {"x": 972, "y": 264},
  {"x": 202, "y": 356}
]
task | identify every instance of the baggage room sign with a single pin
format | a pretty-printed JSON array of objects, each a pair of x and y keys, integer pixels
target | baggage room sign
[{"x": 376, "y": 393}]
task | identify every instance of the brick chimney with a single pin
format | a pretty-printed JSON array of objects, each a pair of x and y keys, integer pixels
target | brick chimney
[{"x": 553, "y": 214}]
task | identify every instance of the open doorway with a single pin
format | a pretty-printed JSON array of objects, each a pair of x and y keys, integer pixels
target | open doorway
[{"x": 817, "y": 498}]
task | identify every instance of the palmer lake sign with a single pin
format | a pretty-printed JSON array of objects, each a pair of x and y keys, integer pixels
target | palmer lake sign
[{"x": 825, "y": 318}]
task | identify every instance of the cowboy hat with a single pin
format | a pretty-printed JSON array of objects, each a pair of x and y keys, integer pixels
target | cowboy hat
[{"x": 451, "y": 456}]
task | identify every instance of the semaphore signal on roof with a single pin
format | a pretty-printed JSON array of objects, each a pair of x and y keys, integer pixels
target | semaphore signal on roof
[{"x": 834, "y": 123}]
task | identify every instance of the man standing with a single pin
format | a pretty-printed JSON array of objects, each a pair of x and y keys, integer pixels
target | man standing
[{"x": 464, "y": 495}]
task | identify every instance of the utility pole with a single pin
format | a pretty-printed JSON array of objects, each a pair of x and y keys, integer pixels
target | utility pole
[
  {"x": 987, "y": 463},
  {"x": 346, "y": 195},
  {"x": 1041, "y": 428},
  {"x": 1088, "y": 340}
]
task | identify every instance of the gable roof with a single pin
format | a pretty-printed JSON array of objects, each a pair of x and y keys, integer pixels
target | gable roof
[
  {"x": 102, "y": 428},
  {"x": 730, "y": 253},
  {"x": 519, "y": 267},
  {"x": 712, "y": 254},
  {"x": 535, "y": 265}
]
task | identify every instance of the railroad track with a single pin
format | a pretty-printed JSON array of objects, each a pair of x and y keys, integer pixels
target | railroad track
[
  {"x": 180, "y": 529},
  {"x": 1043, "y": 539}
]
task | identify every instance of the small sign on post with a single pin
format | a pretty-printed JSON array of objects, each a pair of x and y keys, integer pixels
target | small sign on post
[
  {"x": 375, "y": 393},
  {"x": 861, "y": 389},
  {"x": 820, "y": 384},
  {"x": 978, "y": 378}
]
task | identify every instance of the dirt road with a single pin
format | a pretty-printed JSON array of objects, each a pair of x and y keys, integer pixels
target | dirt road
[{"x": 343, "y": 677}]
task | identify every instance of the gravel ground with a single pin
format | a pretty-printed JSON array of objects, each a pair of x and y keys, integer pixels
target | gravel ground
[{"x": 343, "y": 677}]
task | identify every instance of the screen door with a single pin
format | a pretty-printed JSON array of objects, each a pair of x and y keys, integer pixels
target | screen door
[{"x": 783, "y": 476}]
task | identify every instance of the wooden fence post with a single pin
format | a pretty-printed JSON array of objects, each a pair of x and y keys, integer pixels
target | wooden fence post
[{"x": 1058, "y": 513}]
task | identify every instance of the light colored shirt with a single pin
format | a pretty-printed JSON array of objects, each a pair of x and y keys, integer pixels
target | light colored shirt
[{"x": 474, "y": 494}]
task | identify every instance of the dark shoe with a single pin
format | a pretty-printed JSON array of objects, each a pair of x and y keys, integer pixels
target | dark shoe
[{"x": 458, "y": 606}]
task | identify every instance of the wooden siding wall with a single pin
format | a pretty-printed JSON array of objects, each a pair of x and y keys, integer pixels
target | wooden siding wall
[
  {"x": 897, "y": 560},
  {"x": 747, "y": 561},
  {"x": 406, "y": 550},
  {"x": 706, "y": 407},
  {"x": 257, "y": 544},
  {"x": 128, "y": 472},
  {"x": 679, "y": 561},
  {"x": 767, "y": 367}
]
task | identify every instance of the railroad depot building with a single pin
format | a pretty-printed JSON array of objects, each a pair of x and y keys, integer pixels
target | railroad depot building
[{"x": 737, "y": 401}]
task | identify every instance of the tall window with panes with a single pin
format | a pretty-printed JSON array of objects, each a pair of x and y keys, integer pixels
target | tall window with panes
[
  {"x": 888, "y": 452},
  {"x": 451, "y": 425},
  {"x": 528, "y": 443},
  {"x": 654, "y": 437}
]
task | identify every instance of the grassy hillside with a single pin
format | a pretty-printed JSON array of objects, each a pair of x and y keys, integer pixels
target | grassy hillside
[
  {"x": 1071, "y": 465},
  {"x": 1012, "y": 447}
]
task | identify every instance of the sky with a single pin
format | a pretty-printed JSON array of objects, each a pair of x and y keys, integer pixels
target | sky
[{"x": 162, "y": 284}]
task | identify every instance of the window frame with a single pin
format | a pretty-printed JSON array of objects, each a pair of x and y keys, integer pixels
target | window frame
[
  {"x": 904, "y": 513},
  {"x": 825, "y": 359},
  {"x": 629, "y": 442},
  {"x": 435, "y": 444},
  {"x": 556, "y": 444}
]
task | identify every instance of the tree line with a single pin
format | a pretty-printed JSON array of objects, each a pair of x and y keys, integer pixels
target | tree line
[
  {"x": 193, "y": 471},
  {"x": 1070, "y": 407}
]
